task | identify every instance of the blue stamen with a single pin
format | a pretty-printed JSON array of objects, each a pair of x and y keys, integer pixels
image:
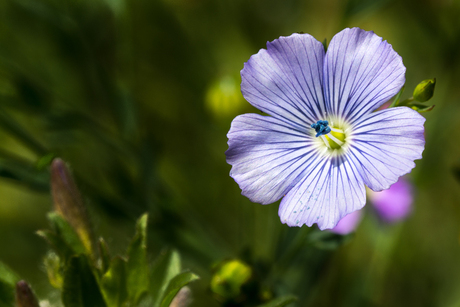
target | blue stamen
[{"x": 321, "y": 127}]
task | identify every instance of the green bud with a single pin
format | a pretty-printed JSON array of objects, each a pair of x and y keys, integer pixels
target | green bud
[
  {"x": 229, "y": 278},
  {"x": 68, "y": 203},
  {"x": 24, "y": 295},
  {"x": 424, "y": 90},
  {"x": 224, "y": 96}
]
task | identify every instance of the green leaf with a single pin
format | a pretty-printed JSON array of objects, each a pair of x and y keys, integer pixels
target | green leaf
[
  {"x": 57, "y": 244},
  {"x": 54, "y": 270},
  {"x": 137, "y": 266},
  {"x": 23, "y": 172},
  {"x": 280, "y": 302},
  {"x": 63, "y": 229},
  {"x": 80, "y": 288},
  {"x": 165, "y": 267},
  {"x": 175, "y": 285},
  {"x": 113, "y": 283},
  {"x": 7, "y": 275},
  {"x": 13, "y": 127},
  {"x": 104, "y": 254},
  {"x": 63, "y": 238}
]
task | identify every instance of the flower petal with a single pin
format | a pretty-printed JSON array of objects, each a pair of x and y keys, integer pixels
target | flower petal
[
  {"x": 325, "y": 195},
  {"x": 361, "y": 72},
  {"x": 285, "y": 80},
  {"x": 268, "y": 156},
  {"x": 385, "y": 144}
]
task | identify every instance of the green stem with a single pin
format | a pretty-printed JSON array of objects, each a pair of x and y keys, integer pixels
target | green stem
[
  {"x": 395, "y": 102},
  {"x": 385, "y": 242},
  {"x": 406, "y": 102}
]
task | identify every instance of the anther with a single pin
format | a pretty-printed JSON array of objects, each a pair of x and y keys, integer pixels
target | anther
[{"x": 321, "y": 127}]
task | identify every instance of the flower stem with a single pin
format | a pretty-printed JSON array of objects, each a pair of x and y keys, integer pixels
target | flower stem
[{"x": 395, "y": 102}]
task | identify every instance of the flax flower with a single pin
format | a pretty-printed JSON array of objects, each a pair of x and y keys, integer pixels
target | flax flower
[{"x": 322, "y": 142}]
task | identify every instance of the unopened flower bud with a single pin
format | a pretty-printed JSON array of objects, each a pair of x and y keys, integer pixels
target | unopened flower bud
[
  {"x": 68, "y": 202},
  {"x": 424, "y": 90},
  {"x": 25, "y": 296},
  {"x": 224, "y": 97},
  {"x": 229, "y": 278}
]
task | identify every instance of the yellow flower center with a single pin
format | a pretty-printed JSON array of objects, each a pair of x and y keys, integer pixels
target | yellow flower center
[{"x": 334, "y": 139}]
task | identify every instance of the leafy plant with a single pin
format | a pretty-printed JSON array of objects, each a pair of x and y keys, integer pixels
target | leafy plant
[{"x": 87, "y": 278}]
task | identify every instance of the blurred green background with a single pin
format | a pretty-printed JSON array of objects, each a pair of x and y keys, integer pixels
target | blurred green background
[{"x": 137, "y": 96}]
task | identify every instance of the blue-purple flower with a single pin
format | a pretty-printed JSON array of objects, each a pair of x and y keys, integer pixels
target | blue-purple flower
[{"x": 322, "y": 142}]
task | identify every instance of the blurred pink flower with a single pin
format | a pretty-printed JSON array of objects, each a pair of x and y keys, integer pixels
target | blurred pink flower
[
  {"x": 348, "y": 224},
  {"x": 394, "y": 204}
]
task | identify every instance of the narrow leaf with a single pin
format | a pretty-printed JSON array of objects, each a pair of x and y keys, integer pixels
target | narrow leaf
[
  {"x": 137, "y": 267},
  {"x": 63, "y": 238},
  {"x": 280, "y": 302},
  {"x": 80, "y": 288},
  {"x": 7, "y": 275},
  {"x": 57, "y": 243},
  {"x": 23, "y": 172},
  {"x": 104, "y": 255},
  {"x": 165, "y": 267},
  {"x": 175, "y": 285},
  {"x": 113, "y": 283},
  {"x": 12, "y": 126}
]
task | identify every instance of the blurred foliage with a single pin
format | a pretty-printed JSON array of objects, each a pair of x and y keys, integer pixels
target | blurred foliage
[
  {"x": 138, "y": 97},
  {"x": 86, "y": 278}
]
